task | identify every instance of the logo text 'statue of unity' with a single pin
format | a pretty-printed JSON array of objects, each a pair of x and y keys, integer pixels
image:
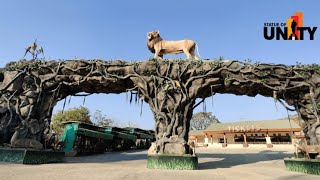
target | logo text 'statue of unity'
[{"x": 292, "y": 29}]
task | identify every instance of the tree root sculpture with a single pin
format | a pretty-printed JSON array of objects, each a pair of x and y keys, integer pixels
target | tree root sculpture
[{"x": 30, "y": 89}]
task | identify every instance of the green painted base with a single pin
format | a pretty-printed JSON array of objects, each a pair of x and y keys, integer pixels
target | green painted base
[
  {"x": 30, "y": 156},
  {"x": 310, "y": 166},
  {"x": 167, "y": 161}
]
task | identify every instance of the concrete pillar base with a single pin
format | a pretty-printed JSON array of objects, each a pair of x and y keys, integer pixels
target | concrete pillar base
[
  {"x": 269, "y": 145},
  {"x": 224, "y": 145},
  {"x": 245, "y": 145},
  {"x": 206, "y": 141}
]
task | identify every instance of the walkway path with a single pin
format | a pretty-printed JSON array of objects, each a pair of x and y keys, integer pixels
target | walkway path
[{"x": 215, "y": 163}]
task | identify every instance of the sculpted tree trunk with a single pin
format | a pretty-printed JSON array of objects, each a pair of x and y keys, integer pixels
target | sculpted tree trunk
[
  {"x": 172, "y": 110},
  {"x": 309, "y": 110},
  {"x": 25, "y": 108},
  {"x": 172, "y": 125},
  {"x": 171, "y": 105}
]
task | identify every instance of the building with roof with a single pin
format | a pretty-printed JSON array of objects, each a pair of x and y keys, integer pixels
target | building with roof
[{"x": 267, "y": 132}]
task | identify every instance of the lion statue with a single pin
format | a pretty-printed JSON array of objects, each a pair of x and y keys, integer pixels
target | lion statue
[{"x": 159, "y": 46}]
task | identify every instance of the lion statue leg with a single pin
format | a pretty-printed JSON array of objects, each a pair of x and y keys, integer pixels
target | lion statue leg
[
  {"x": 186, "y": 51},
  {"x": 157, "y": 54},
  {"x": 193, "y": 53}
]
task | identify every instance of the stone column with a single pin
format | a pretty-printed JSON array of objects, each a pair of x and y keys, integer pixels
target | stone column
[
  {"x": 224, "y": 140},
  {"x": 293, "y": 138},
  {"x": 268, "y": 141},
  {"x": 206, "y": 141},
  {"x": 245, "y": 140}
]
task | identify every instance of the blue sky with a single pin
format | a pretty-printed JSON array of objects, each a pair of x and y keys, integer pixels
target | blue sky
[{"x": 117, "y": 30}]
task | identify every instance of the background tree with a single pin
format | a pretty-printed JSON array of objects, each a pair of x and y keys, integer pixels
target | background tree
[
  {"x": 74, "y": 114},
  {"x": 130, "y": 123},
  {"x": 202, "y": 120},
  {"x": 99, "y": 119},
  {"x": 125, "y": 124}
]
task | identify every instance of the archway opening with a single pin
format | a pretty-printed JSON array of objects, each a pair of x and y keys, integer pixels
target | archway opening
[{"x": 114, "y": 106}]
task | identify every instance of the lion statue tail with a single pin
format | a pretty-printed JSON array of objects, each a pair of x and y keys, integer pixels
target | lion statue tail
[{"x": 198, "y": 51}]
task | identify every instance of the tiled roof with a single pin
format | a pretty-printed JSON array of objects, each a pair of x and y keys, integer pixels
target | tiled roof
[{"x": 196, "y": 132}]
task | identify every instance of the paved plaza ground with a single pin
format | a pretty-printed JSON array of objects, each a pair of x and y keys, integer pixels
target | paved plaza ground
[{"x": 214, "y": 163}]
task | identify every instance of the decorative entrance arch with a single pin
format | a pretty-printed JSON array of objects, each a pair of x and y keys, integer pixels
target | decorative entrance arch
[{"x": 30, "y": 89}]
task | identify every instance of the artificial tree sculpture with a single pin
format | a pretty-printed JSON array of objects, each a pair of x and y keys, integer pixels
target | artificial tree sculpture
[{"x": 30, "y": 90}]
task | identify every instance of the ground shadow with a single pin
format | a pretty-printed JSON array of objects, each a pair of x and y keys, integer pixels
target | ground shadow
[
  {"x": 228, "y": 160},
  {"x": 207, "y": 160},
  {"x": 130, "y": 155}
]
